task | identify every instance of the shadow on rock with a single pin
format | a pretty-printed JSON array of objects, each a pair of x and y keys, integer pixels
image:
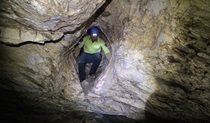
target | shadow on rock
[{"x": 174, "y": 104}]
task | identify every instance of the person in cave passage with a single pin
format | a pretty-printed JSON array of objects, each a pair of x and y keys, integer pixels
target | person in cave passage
[{"x": 92, "y": 45}]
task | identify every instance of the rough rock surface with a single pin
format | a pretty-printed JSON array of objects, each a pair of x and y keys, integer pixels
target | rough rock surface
[
  {"x": 159, "y": 67},
  {"x": 43, "y": 20},
  {"x": 162, "y": 58}
]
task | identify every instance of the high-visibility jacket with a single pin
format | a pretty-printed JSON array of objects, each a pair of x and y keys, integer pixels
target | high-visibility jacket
[{"x": 93, "y": 47}]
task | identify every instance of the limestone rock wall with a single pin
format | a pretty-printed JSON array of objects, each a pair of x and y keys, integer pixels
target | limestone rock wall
[
  {"x": 162, "y": 58},
  {"x": 37, "y": 69},
  {"x": 43, "y": 20},
  {"x": 38, "y": 78}
]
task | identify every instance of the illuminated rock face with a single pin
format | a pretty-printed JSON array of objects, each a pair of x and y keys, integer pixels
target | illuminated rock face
[
  {"x": 159, "y": 66},
  {"x": 43, "y": 20}
]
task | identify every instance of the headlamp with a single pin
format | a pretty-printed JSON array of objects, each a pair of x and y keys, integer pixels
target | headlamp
[{"x": 94, "y": 34}]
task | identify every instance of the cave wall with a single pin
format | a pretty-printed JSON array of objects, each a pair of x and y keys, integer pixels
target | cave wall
[
  {"x": 43, "y": 20},
  {"x": 162, "y": 57},
  {"x": 37, "y": 69},
  {"x": 159, "y": 65},
  {"x": 37, "y": 78}
]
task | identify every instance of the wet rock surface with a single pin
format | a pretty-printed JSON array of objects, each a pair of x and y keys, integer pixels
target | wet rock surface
[{"x": 159, "y": 70}]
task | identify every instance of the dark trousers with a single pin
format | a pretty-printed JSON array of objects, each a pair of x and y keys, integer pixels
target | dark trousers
[{"x": 88, "y": 58}]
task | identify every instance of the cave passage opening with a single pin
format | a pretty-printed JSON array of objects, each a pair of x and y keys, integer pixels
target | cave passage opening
[
  {"x": 89, "y": 82},
  {"x": 70, "y": 49}
]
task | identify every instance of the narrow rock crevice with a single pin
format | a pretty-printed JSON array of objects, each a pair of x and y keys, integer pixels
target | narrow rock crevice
[{"x": 103, "y": 64}]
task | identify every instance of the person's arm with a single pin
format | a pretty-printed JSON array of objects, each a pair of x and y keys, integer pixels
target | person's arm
[{"x": 78, "y": 48}]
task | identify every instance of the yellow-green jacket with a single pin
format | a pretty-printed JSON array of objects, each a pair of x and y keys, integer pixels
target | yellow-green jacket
[{"x": 93, "y": 47}]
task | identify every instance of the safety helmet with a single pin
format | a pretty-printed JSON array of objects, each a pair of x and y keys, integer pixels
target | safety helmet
[{"x": 94, "y": 31}]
